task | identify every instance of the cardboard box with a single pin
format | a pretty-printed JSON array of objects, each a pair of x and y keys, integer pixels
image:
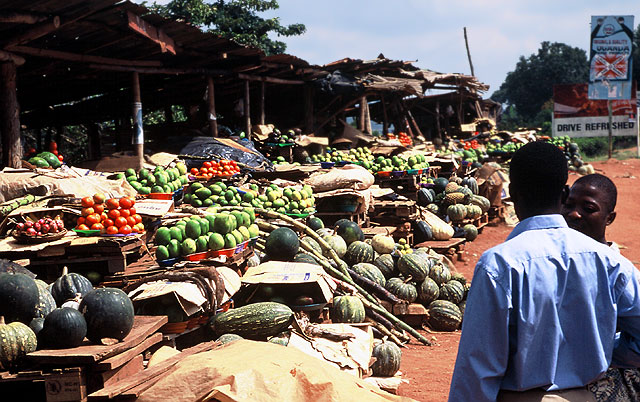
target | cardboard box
[{"x": 308, "y": 279}]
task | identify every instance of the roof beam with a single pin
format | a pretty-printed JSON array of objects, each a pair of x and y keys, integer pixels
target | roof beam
[
  {"x": 83, "y": 58},
  {"x": 137, "y": 24},
  {"x": 161, "y": 70},
  {"x": 6, "y": 56},
  {"x": 36, "y": 32},
  {"x": 21, "y": 17},
  {"x": 271, "y": 80}
]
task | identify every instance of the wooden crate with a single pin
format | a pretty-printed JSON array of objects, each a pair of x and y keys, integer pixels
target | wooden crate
[
  {"x": 452, "y": 248},
  {"x": 329, "y": 218},
  {"x": 479, "y": 223},
  {"x": 400, "y": 209},
  {"x": 414, "y": 314}
]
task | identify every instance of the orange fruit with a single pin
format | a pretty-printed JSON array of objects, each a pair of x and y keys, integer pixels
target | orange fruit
[
  {"x": 99, "y": 198},
  {"x": 87, "y": 202},
  {"x": 112, "y": 230},
  {"x": 126, "y": 229},
  {"x": 87, "y": 211},
  {"x": 113, "y": 203}
]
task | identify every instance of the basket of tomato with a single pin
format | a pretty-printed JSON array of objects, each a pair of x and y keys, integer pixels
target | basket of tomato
[
  {"x": 109, "y": 216},
  {"x": 223, "y": 168}
]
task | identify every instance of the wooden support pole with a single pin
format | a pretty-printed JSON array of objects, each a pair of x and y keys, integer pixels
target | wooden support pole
[
  {"x": 138, "y": 133},
  {"x": 415, "y": 125},
  {"x": 367, "y": 119},
  {"x": 9, "y": 117},
  {"x": 308, "y": 109},
  {"x": 83, "y": 58},
  {"x": 385, "y": 117},
  {"x": 247, "y": 110},
  {"x": 271, "y": 80},
  {"x": 263, "y": 89},
  {"x": 361, "y": 122},
  {"x": 466, "y": 43},
  {"x": 439, "y": 132},
  {"x": 36, "y": 32},
  {"x": 211, "y": 102},
  {"x": 21, "y": 17},
  {"x": 14, "y": 58}
]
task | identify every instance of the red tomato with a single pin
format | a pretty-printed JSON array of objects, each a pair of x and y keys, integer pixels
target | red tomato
[
  {"x": 113, "y": 203},
  {"x": 120, "y": 222},
  {"x": 124, "y": 213},
  {"x": 131, "y": 221},
  {"x": 126, "y": 202},
  {"x": 98, "y": 208},
  {"x": 112, "y": 230},
  {"x": 126, "y": 229},
  {"x": 114, "y": 214},
  {"x": 83, "y": 227},
  {"x": 87, "y": 202},
  {"x": 108, "y": 222},
  {"x": 87, "y": 211}
]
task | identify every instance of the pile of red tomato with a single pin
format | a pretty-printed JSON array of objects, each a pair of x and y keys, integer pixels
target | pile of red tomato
[
  {"x": 109, "y": 216},
  {"x": 53, "y": 148},
  {"x": 402, "y": 137},
  {"x": 221, "y": 168},
  {"x": 473, "y": 144}
]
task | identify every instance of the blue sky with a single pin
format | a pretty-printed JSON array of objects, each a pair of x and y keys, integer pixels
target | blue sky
[{"x": 431, "y": 32}]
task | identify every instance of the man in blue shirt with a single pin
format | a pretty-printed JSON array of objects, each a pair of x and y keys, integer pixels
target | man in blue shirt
[{"x": 542, "y": 310}]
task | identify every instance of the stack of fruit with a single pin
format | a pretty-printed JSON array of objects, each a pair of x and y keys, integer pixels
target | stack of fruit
[
  {"x": 209, "y": 233},
  {"x": 211, "y": 169},
  {"x": 160, "y": 181},
  {"x": 290, "y": 200},
  {"x": 276, "y": 137},
  {"x": 41, "y": 227},
  {"x": 110, "y": 216},
  {"x": 45, "y": 159},
  {"x": 364, "y": 157}
]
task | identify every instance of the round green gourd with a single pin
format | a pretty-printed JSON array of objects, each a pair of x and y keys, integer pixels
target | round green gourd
[
  {"x": 336, "y": 243},
  {"x": 306, "y": 258},
  {"x": 348, "y": 309},
  {"x": 371, "y": 272},
  {"x": 63, "y": 328},
  {"x": 228, "y": 338},
  {"x": 19, "y": 297},
  {"x": 16, "y": 340},
  {"x": 444, "y": 316},
  {"x": 457, "y": 212},
  {"x": 68, "y": 284},
  {"x": 415, "y": 266},
  {"x": 388, "y": 356},
  {"x": 470, "y": 232},
  {"x": 428, "y": 291},
  {"x": 46, "y": 302},
  {"x": 358, "y": 252},
  {"x": 383, "y": 244},
  {"x": 282, "y": 244},
  {"x": 315, "y": 223},
  {"x": 257, "y": 321},
  {"x": 402, "y": 289},
  {"x": 109, "y": 314},
  {"x": 310, "y": 241},
  {"x": 350, "y": 232},
  {"x": 386, "y": 264},
  {"x": 440, "y": 274},
  {"x": 452, "y": 291}
]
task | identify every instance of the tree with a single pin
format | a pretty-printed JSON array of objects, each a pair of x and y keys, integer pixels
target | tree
[
  {"x": 530, "y": 85},
  {"x": 236, "y": 19}
]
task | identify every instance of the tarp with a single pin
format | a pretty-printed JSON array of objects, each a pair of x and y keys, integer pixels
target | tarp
[
  {"x": 246, "y": 370},
  {"x": 242, "y": 151},
  {"x": 338, "y": 83}
]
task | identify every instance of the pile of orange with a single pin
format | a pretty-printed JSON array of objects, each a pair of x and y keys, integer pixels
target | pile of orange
[
  {"x": 221, "y": 168},
  {"x": 109, "y": 216}
]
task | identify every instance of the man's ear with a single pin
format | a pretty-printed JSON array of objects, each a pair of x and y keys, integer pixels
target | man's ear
[{"x": 611, "y": 217}]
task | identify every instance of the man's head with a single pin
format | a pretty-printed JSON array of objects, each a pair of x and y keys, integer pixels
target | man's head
[
  {"x": 538, "y": 173},
  {"x": 590, "y": 205}
]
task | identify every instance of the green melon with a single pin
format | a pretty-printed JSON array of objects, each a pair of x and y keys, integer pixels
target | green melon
[
  {"x": 282, "y": 244},
  {"x": 350, "y": 232},
  {"x": 370, "y": 272},
  {"x": 415, "y": 266},
  {"x": 444, "y": 316},
  {"x": 358, "y": 252},
  {"x": 386, "y": 265},
  {"x": 388, "y": 356},
  {"x": 348, "y": 309},
  {"x": 428, "y": 291}
]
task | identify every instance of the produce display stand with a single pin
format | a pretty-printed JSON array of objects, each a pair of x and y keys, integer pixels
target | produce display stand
[
  {"x": 414, "y": 314},
  {"x": 89, "y": 253},
  {"x": 479, "y": 223},
  {"x": 393, "y": 212},
  {"x": 393, "y": 231},
  {"x": 361, "y": 218},
  {"x": 71, "y": 374},
  {"x": 451, "y": 248}
]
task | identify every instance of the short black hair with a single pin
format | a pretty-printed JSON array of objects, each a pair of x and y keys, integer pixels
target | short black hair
[
  {"x": 538, "y": 171},
  {"x": 604, "y": 184}
]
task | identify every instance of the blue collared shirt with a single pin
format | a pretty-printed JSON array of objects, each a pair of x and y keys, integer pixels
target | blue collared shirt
[{"x": 542, "y": 312}]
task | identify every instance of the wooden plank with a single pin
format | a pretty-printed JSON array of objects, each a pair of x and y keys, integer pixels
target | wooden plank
[
  {"x": 136, "y": 23},
  {"x": 272, "y": 80},
  {"x": 36, "y": 32},
  {"x": 89, "y": 353},
  {"x": 83, "y": 58},
  {"x": 9, "y": 116},
  {"x": 14, "y": 58},
  {"x": 122, "y": 358},
  {"x": 132, "y": 367},
  {"x": 442, "y": 244},
  {"x": 21, "y": 17},
  {"x": 136, "y": 384}
]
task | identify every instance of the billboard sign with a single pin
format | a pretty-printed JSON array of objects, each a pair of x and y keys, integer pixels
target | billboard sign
[
  {"x": 610, "y": 57},
  {"x": 575, "y": 115}
]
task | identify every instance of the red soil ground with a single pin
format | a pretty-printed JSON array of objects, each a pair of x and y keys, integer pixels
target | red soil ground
[{"x": 429, "y": 368}]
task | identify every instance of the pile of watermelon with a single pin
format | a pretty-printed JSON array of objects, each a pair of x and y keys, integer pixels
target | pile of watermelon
[{"x": 200, "y": 234}]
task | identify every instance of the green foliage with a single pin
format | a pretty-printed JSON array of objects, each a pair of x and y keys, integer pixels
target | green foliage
[
  {"x": 599, "y": 146},
  {"x": 530, "y": 85},
  {"x": 236, "y": 19}
]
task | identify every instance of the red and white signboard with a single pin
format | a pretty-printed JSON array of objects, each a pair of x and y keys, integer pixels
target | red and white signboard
[{"x": 575, "y": 115}]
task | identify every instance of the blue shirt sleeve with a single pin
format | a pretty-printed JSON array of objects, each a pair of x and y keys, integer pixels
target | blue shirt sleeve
[
  {"x": 626, "y": 351},
  {"x": 484, "y": 344}
]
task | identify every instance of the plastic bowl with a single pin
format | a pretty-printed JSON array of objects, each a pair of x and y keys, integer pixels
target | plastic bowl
[
  {"x": 86, "y": 233},
  {"x": 326, "y": 165},
  {"x": 168, "y": 262},
  {"x": 398, "y": 173},
  {"x": 197, "y": 256},
  {"x": 384, "y": 174},
  {"x": 161, "y": 196}
]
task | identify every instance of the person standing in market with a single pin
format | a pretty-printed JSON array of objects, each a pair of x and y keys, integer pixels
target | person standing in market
[
  {"x": 543, "y": 306},
  {"x": 589, "y": 209}
]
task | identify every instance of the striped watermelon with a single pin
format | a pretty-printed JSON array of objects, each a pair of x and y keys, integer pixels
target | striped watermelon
[
  {"x": 371, "y": 272},
  {"x": 414, "y": 265},
  {"x": 444, "y": 316}
]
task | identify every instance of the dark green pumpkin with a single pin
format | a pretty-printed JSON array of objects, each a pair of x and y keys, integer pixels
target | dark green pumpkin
[
  {"x": 312, "y": 243},
  {"x": 439, "y": 184},
  {"x": 386, "y": 264},
  {"x": 470, "y": 231},
  {"x": 63, "y": 328},
  {"x": 444, "y": 316},
  {"x": 371, "y": 272},
  {"x": 403, "y": 289},
  {"x": 452, "y": 291},
  {"x": 457, "y": 212},
  {"x": 415, "y": 266},
  {"x": 358, "y": 252},
  {"x": 306, "y": 258},
  {"x": 315, "y": 223},
  {"x": 282, "y": 244},
  {"x": 350, "y": 232},
  {"x": 471, "y": 183},
  {"x": 481, "y": 201},
  {"x": 46, "y": 302},
  {"x": 440, "y": 274},
  {"x": 18, "y": 297},
  {"x": 16, "y": 340},
  {"x": 428, "y": 291},
  {"x": 68, "y": 284},
  {"x": 348, "y": 309},
  {"x": 459, "y": 277},
  {"x": 108, "y": 312},
  {"x": 388, "y": 356}
]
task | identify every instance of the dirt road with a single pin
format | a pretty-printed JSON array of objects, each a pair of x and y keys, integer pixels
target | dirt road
[{"x": 429, "y": 368}]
